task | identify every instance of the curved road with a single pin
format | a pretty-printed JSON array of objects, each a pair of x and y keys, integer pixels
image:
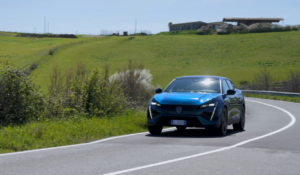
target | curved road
[{"x": 192, "y": 152}]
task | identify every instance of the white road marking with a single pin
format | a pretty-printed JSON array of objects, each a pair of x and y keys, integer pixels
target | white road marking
[
  {"x": 274, "y": 100},
  {"x": 75, "y": 145},
  {"x": 293, "y": 120}
]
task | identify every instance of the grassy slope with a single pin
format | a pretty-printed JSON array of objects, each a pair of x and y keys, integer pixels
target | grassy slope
[
  {"x": 21, "y": 51},
  {"x": 233, "y": 56}
]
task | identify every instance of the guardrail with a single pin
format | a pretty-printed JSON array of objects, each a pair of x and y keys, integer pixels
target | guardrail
[{"x": 287, "y": 94}]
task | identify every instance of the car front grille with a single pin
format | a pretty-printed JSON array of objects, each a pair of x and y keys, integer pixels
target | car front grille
[{"x": 184, "y": 107}]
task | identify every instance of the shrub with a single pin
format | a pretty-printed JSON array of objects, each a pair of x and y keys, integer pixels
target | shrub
[
  {"x": 260, "y": 27},
  {"x": 244, "y": 82},
  {"x": 296, "y": 28},
  {"x": 205, "y": 29},
  {"x": 33, "y": 66},
  {"x": 224, "y": 29},
  {"x": 286, "y": 28},
  {"x": 242, "y": 28},
  {"x": 276, "y": 28},
  {"x": 20, "y": 100},
  {"x": 136, "y": 83},
  {"x": 293, "y": 81},
  {"x": 92, "y": 95},
  {"x": 263, "y": 79}
]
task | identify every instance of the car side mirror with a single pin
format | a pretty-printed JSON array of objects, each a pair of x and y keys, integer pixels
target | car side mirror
[
  {"x": 231, "y": 92},
  {"x": 158, "y": 90}
]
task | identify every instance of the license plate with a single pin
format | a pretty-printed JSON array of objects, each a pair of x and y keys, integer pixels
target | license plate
[{"x": 178, "y": 122}]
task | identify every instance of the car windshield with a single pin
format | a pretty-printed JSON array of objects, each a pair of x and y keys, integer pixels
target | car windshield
[{"x": 203, "y": 85}]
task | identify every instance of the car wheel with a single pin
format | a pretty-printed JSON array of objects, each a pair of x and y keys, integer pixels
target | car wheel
[
  {"x": 181, "y": 128},
  {"x": 155, "y": 130},
  {"x": 241, "y": 124},
  {"x": 222, "y": 129}
]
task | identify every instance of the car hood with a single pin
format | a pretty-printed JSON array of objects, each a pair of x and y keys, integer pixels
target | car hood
[{"x": 184, "y": 98}]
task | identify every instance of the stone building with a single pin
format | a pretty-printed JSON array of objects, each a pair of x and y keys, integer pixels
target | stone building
[
  {"x": 186, "y": 26},
  {"x": 249, "y": 21},
  {"x": 192, "y": 25}
]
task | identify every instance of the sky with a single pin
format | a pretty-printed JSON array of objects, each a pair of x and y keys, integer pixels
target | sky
[{"x": 100, "y": 17}]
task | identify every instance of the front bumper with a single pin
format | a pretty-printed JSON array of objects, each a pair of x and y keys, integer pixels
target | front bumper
[{"x": 207, "y": 117}]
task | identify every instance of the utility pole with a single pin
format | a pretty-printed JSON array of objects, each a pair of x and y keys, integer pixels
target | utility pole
[
  {"x": 34, "y": 29},
  {"x": 44, "y": 24},
  {"x": 135, "y": 27},
  {"x": 48, "y": 27}
]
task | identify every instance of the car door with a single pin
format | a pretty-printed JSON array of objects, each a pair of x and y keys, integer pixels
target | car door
[
  {"x": 228, "y": 100},
  {"x": 236, "y": 109}
]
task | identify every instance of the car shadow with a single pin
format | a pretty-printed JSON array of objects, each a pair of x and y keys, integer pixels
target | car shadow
[{"x": 194, "y": 133}]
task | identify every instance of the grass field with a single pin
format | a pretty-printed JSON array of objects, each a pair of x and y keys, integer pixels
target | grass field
[
  {"x": 51, "y": 133},
  {"x": 237, "y": 57},
  {"x": 22, "y": 51}
]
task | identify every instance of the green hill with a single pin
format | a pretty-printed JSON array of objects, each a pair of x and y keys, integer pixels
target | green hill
[{"x": 237, "y": 57}]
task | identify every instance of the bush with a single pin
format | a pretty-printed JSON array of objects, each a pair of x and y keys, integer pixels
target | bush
[
  {"x": 224, "y": 29},
  {"x": 20, "y": 100},
  {"x": 276, "y": 28},
  {"x": 260, "y": 27},
  {"x": 263, "y": 79},
  {"x": 293, "y": 81},
  {"x": 135, "y": 80},
  {"x": 204, "y": 30},
  {"x": 242, "y": 28},
  {"x": 92, "y": 95},
  {"x": 287, "y": 28},
  {"x": 295, "y": 28}
]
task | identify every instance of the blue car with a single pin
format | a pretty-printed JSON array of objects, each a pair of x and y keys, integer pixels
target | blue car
[{"x": 197, "y": 101}]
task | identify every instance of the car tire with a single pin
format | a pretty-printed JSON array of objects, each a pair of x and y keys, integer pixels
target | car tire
[
  {"x": 181, "y": 128},
  {"x": 222, "y": 129},
  {"x": 155, "y": 130},
  {"x": 241, "y": 124}
]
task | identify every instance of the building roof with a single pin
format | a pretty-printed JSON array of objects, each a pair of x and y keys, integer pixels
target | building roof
[
  {"x": 252, "y": 19},
  {"x": 189, "y": 23}
]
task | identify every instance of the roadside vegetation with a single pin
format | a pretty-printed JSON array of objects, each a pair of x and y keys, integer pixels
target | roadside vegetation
[
  {"x": 266, "y": 80},
  {"x": 77, "y": 129},
  {"x": 78, "y": 107}
]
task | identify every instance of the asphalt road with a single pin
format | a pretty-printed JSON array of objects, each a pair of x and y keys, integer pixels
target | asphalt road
[{"x": 270, "y": 144}]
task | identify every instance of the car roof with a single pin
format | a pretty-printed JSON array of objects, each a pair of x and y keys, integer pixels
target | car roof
[{"x": 200, "y": 76}]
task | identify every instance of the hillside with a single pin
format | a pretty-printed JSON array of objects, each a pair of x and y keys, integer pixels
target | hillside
[
  {"x": 237, "y": 57},
  {"x": 21, "y": 51}
]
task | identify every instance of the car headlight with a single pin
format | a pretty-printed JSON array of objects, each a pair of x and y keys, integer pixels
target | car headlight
[
  {"x": 209, "y": 105},
  {"x": 155, "y": 103}
]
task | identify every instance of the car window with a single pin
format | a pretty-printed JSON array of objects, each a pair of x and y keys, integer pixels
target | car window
[
  {"x": 229, "y": 85},
  {"x": 204, "y": 85},
  {"x": 225, "y": 87},
  {"x": 232, "y": 84}
]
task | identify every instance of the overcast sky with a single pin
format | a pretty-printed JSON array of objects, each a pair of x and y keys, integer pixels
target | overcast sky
[{"x": 94, "y": 16}]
